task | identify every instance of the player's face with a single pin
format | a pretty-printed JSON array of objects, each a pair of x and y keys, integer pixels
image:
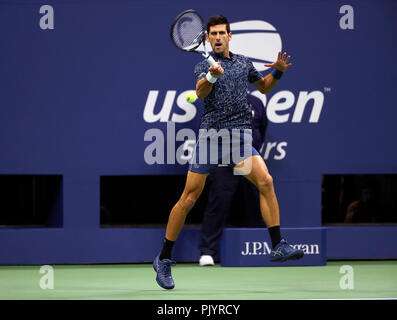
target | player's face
[{"x": 219, "y": 39}]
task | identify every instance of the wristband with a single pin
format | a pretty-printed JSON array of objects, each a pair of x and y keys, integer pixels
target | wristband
[
  {"x": 277, "y": 74},
  {"x": 210, "y": 78}
]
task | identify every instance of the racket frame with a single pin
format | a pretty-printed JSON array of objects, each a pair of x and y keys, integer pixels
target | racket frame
[{"x": 205, "y": 54}]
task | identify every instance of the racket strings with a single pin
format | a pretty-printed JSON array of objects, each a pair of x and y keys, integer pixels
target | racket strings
[{"x": 188, "y": 32}]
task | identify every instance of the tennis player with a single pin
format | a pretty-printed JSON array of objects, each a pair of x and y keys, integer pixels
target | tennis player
[{"x": 224, "y": 89}]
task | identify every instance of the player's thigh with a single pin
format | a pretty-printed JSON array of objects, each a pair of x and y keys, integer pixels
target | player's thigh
[{"x": 195, "y": 183}]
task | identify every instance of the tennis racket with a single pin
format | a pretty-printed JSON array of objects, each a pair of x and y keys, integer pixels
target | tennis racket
[{"x": 188, "y": 33}]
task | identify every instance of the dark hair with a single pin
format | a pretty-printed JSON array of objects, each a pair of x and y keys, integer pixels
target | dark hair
[{"x": 217, "y": 19}]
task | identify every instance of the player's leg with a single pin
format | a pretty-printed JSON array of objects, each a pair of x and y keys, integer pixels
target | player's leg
[
  {"x": 252, "y": 216},
  {"x": 259, "y": 175},
  {"x": 194, "y": 186},
  {"x": 162, "y": 263}
]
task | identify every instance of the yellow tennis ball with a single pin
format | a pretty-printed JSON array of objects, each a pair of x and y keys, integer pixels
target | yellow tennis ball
[{"x": 191, "y": 97}]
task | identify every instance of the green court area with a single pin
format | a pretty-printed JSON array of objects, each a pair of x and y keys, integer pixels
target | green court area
[{"x": 368, "y": 279}]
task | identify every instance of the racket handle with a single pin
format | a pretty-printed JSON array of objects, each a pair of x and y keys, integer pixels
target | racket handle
[{"x": 209, "y": 59}]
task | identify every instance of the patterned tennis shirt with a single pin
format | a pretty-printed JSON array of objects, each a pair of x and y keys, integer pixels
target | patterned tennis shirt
[{"x": 226, "y": 106}]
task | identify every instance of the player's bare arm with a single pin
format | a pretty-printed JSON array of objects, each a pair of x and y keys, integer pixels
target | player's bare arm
[
  {"x": 203, "y": 86},
  {"x": 267, "y": 83}
]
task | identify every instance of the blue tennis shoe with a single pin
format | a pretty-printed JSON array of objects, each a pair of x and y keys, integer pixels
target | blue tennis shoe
[
  {"x": 163, "y": 270},
  {"x": 283, "y": 252}
]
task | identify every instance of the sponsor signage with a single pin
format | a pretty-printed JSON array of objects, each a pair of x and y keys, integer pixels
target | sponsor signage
[{"x": 251, "y": 247}]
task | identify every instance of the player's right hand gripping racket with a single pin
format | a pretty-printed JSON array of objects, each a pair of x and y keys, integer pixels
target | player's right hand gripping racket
[{"x": 188, "y": 33}]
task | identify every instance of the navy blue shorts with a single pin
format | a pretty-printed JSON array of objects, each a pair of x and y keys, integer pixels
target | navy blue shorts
[{"x": 221, "y": 148}]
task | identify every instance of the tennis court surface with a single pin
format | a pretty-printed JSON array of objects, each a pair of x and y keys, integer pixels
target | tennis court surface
[{"x": 368, "y": 280}]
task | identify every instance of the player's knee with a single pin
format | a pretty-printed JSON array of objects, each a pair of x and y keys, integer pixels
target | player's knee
[
  {"x": 265, "y": 184},
  {"x": 189, "y": 200}
]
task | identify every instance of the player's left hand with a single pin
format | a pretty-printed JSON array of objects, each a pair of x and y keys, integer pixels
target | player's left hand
[{"x": 282, "y": 62}]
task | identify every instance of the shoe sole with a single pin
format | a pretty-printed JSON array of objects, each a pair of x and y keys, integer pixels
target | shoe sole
[{"x": 296, "y": 256}]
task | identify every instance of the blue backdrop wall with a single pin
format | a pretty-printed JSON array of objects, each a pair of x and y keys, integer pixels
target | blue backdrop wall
[{"x": 82, "y": 94}]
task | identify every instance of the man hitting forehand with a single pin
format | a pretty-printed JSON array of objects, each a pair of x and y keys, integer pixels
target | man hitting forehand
[{"x": 224, "y": 89}]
